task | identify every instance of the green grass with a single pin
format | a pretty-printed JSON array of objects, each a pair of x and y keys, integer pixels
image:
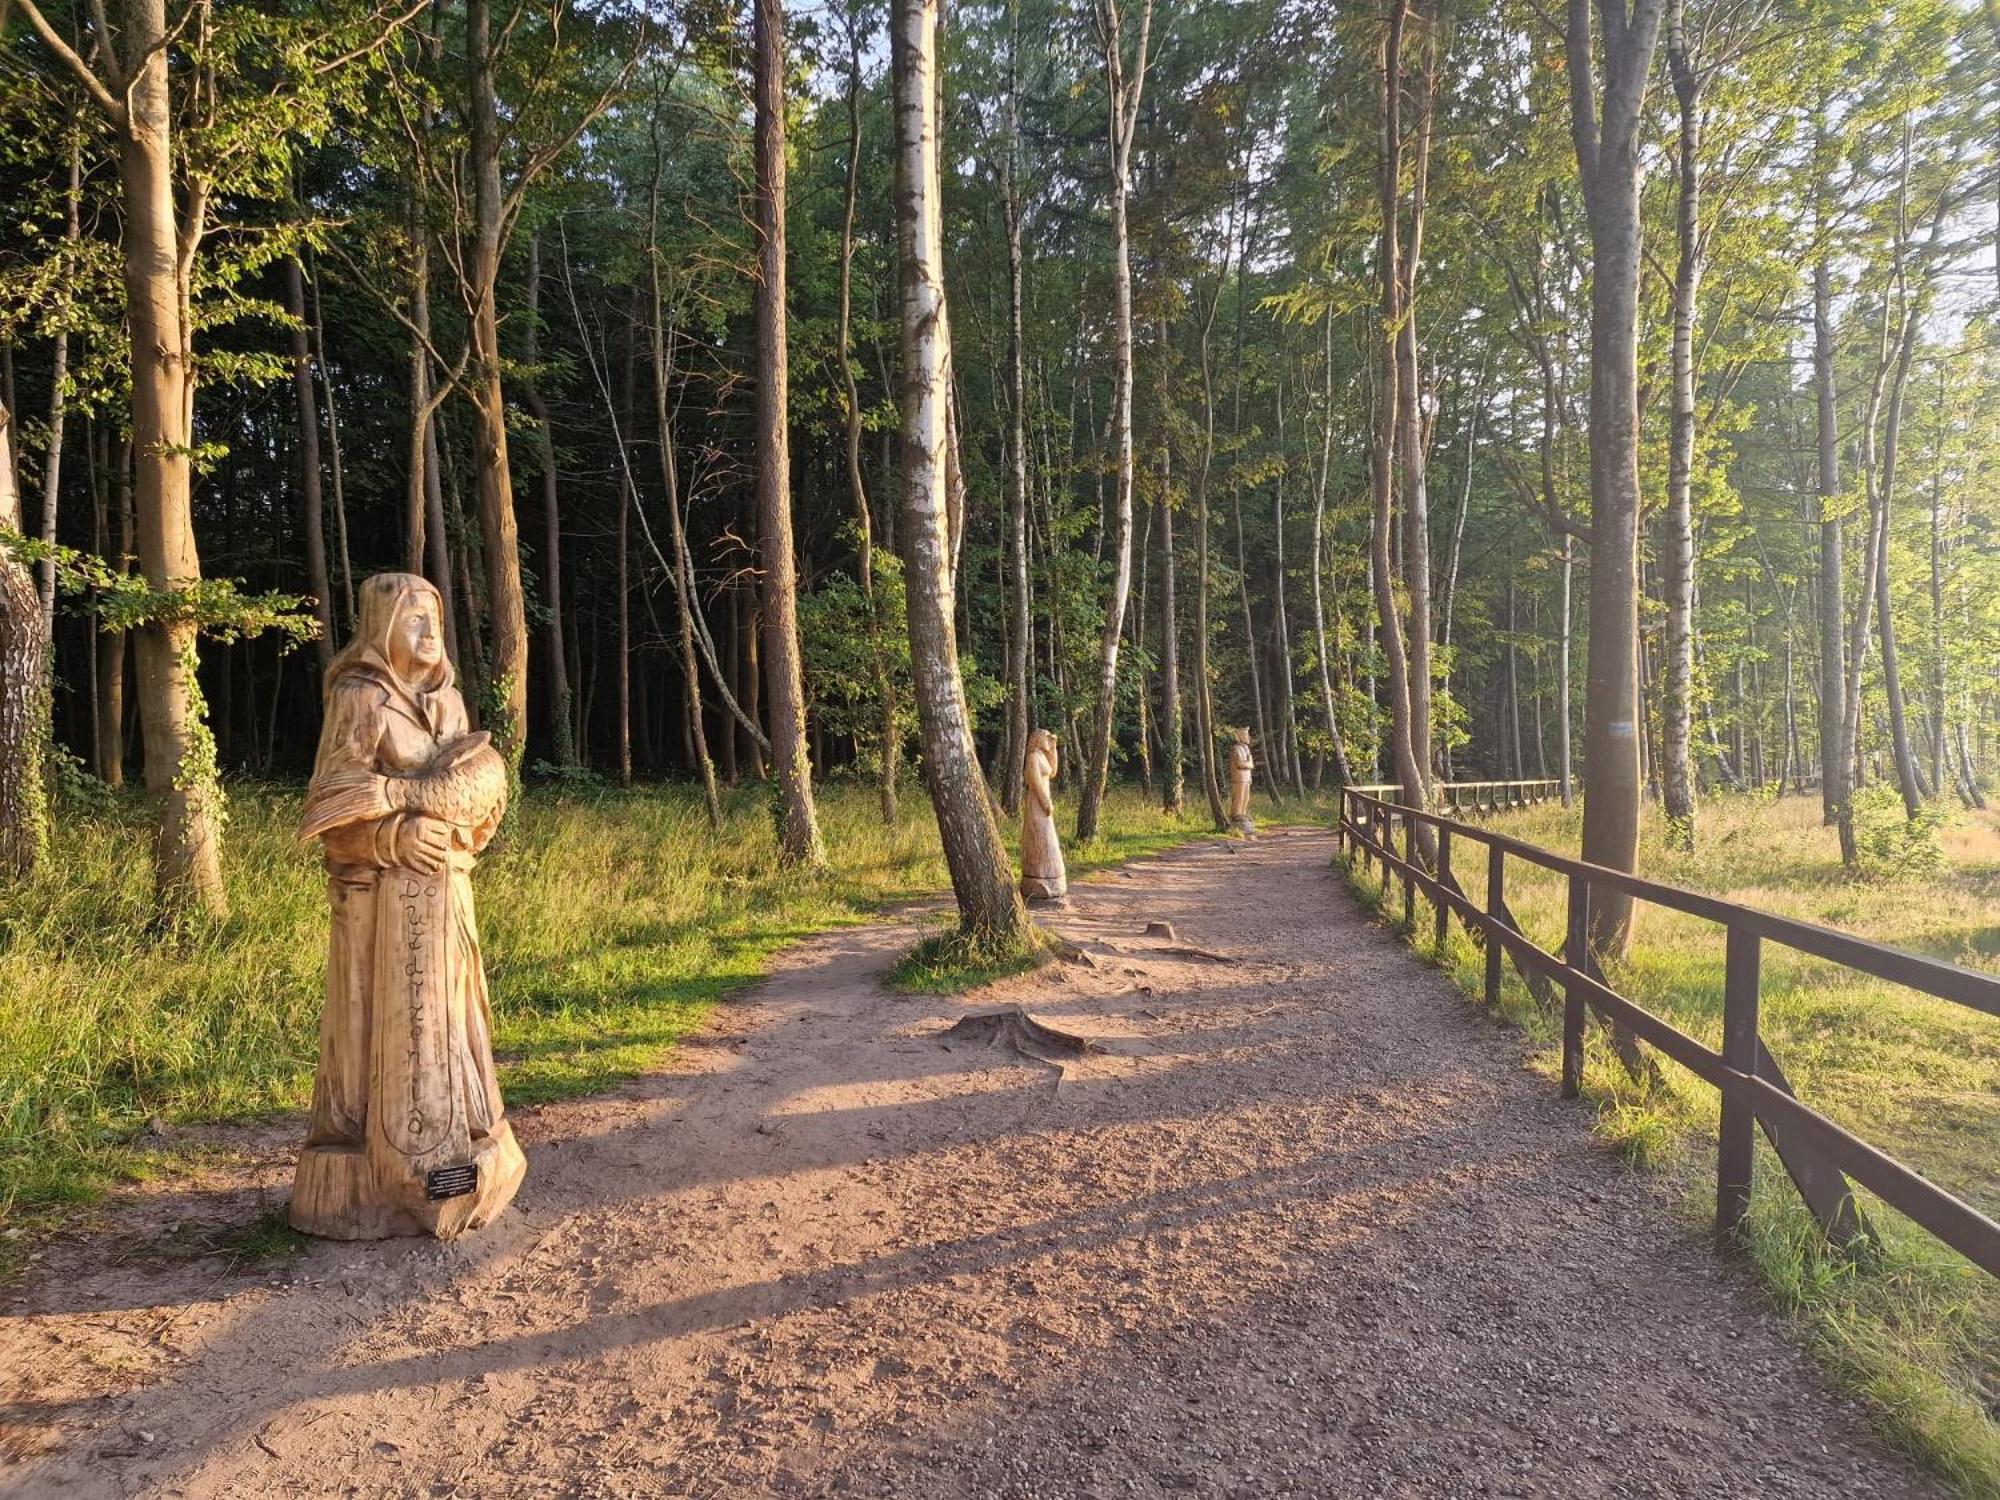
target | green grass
[
  {"x": 1915, "y": 1328},
  {"x": 610, "y": 922},
  {"x": 949, "y": 962}
]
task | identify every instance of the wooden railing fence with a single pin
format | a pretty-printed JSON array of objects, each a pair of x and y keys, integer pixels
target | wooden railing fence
[
  {"x": 1478, "y": 796},
  {"x": 1819, "y": 1155}
]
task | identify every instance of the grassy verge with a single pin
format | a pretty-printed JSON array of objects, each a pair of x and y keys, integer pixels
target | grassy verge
[
  {"x": 1916, "y": 1328},
  {"x": 610, "y": 922}
]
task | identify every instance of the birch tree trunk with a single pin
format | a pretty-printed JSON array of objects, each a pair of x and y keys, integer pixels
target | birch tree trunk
[{"x": 989, "y": 906}]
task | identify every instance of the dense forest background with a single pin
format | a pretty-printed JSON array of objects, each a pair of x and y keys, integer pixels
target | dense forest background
[{"x": 1274, "y": 319}]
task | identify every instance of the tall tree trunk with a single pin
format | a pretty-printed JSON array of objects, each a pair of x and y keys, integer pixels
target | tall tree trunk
[
  {"x": 499, "y": 536},
  {"x": 311, "y": 495},
  {"x": 989, "y": 905},
  {"x": 1410, "y": 436},
  {"x": 1939, "y": 705},
  {"x": 1123, "y": 92},
  {"x": 888, "y": 712},
  {"x": 180, "y": 771},
  {"x": 1281, "y": 623},
  {"x": 798, "y": 825},
  {"x": 1020, "y": 644},
  {"x": 1677, "y": 560},
  {"x": 1321, "y": 644},
  {"x": 1606, "y": 136},
  {"x": 336, "y": 470},
  {"x": 1565, "y": 754},
  {"x": 1410, "y": 773},
  {"x": 682, "y": 568},
  {"x": 24, "y": 694},
  {"x": 1173, "y": 733},
  {"x": 1204, "y": 697},
  {"x": 1885, "y": 619},
  {"x": 545, "y": 444},
  {"x": 59, "y": 401},
  {"x": 1835, "y": 755}
]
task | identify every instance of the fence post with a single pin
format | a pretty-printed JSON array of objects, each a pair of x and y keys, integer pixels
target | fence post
[
  {"x": 1409, "y": 874},
  {"x": 1736, "y": 1149},
  {"x": 1575, "y": 961},
  {"x": 1443, "y": 913},
  {"x": 1496, "y": 898},
  {"x": 1340, "y": 826}
]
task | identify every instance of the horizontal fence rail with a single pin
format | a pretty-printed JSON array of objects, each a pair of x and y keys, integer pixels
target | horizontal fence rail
[
  {"x": 1476, "y": 796},
  {"x": 1818, "y": 1155}
]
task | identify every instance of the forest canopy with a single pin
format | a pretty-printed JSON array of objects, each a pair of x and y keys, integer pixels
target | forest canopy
[{"x": 1605, "y": 394}]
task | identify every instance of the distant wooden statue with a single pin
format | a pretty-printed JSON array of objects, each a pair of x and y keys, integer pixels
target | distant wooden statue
[
  {"x": 408, "y": 1134},
  {"x": 1043, "y": 877},
  {"x": 1242, "y": 766}
]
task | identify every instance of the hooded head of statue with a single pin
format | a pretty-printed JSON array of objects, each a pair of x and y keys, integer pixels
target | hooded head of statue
[{"x": 398, "y": 635}]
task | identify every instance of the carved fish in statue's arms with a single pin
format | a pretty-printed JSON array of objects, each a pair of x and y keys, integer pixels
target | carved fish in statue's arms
[{"x": 464, "y": 785}]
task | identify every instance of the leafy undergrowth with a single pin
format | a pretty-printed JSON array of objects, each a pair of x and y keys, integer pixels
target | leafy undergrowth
[
  {"x": 1912, "y": 1326},
  {"x": 610, "y": 922}
]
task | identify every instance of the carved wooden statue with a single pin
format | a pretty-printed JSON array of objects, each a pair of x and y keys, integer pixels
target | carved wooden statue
[
  {"x": 1241, "y": 768},
  {"x": 408, "y": 1134},
  {"x": 1043, "y": 877}
]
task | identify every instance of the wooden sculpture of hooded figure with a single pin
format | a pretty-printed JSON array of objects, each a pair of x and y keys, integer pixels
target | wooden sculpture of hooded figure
[
  {"x": 408, "y": 1134},
  {"x": 1043, "y": 877}
]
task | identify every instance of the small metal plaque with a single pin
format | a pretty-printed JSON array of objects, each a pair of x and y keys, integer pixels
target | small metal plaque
[{"x": 452, "y": 1182}]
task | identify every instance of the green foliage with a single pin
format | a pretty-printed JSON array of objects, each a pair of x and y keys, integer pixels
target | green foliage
[
  {"x": 1893, "y": 845},
  {"x": 215, "y": 607}
]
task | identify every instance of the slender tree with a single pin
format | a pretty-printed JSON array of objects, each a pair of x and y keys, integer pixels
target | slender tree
[
  {"x": 784, "y": 684},
  {"x": 1124, "y": 86},
  {"x": 24, "y": 728},
  {"x": 989, "y": 905},
  {"x": 1606, "y": 121}
]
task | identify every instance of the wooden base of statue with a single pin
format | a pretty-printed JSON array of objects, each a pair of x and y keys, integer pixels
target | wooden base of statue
[
  {"x": 1039, "y": 890},
  {"x": 437, "y": 1157},
  {"x": 338, "y": 1195}
]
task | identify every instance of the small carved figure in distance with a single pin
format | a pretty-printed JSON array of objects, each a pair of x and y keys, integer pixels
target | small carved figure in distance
[
  {"x": 1043, "y": 877},
  {"x": 1242, "y": 765},
  {"x": 408, "y": 1133}
]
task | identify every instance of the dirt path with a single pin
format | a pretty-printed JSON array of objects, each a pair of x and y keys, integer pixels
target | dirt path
[{"x": 1306, "y": 1228}]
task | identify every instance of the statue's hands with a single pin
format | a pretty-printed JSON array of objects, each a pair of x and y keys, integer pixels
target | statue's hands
[{"x": 422, "y": 843}]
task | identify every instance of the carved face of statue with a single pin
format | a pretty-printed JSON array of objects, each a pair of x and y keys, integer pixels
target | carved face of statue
[
  {"x": 416, "y": 640},
  {"x": 1043, "y": 742}
]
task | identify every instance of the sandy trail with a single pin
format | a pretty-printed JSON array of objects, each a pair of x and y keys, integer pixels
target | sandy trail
[{"x": 1306, "y": 1228}]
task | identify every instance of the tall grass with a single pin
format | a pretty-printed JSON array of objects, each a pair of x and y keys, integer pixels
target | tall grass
[
  {"x": 609, "y": 921},
  {"x": 1915, "y": 1327}
]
